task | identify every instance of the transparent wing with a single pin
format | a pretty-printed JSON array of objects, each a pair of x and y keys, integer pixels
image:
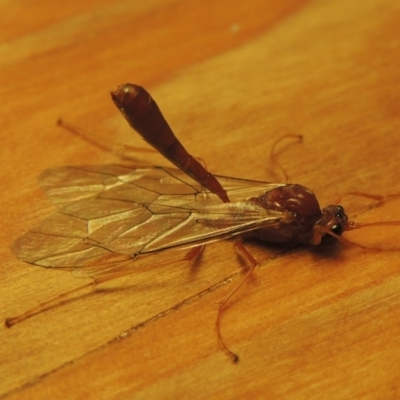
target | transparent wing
[{"x": 127, "y": 212}]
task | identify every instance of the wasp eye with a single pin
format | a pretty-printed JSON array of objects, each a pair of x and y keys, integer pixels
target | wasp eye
[
  {"x": 337, "y": 229},
  {"x": 329, "y": 239},
  {"x": 340, "y": 216}
]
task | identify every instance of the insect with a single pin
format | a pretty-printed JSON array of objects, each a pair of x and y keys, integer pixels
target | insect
[{"x": 111, "y": 215}]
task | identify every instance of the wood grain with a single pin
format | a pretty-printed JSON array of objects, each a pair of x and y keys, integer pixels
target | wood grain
[{"x": 230, "y": 77}]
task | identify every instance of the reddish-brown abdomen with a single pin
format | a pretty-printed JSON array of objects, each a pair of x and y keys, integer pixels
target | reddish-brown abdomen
[{"x": 143, "y": 114}]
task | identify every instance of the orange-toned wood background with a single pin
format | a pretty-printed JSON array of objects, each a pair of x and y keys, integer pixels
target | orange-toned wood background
[{"x": 231, "y": 77}]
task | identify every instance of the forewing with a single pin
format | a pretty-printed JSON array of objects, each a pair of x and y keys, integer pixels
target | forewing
[
  {"x": 66, "y": 185},
  {"x": 112, "y": 209}
]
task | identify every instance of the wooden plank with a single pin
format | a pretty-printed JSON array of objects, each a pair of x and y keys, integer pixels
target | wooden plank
[{"x": 230, "y": 77}]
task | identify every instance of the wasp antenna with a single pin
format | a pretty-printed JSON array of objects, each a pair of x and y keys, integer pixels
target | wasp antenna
[
  {"x": 353, "y": 225},
  {"x": 377, "y": 197}
]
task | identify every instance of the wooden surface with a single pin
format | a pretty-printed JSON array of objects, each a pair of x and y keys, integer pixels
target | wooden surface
[{"x": 231, "y": 77}]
